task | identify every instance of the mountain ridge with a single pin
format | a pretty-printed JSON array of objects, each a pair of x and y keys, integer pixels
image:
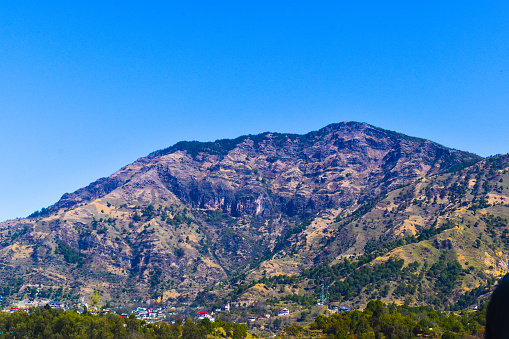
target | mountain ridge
[{"x": 222, "y": 147}]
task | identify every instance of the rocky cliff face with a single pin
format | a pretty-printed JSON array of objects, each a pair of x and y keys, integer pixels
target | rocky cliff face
[
  {"x": 275, "y": 173},
  {"x": 195, "y": 214}
]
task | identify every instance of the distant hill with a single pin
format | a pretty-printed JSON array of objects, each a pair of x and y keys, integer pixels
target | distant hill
[{"x": 373, "y": 212}]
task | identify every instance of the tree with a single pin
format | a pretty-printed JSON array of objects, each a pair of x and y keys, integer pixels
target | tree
[
  {"x": 191, "y": 331},
  {"x": 449, "y": 335},
  {"x": 95, "y": 299},
  {"x": 377, "y": 310}
]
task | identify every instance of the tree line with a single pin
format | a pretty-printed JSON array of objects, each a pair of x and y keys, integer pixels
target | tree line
[
  {"x": 45, "y": 322},
  {"x": 391, "y": 321}
]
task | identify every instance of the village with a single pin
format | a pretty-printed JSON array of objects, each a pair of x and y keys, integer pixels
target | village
[{"x": 258, "y": 317}]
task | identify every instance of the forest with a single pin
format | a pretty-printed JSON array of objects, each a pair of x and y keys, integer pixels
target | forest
[{"x": 391, "y": 321}]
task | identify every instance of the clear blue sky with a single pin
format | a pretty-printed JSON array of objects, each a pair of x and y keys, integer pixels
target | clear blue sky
[{"x": 86, "y": 88}]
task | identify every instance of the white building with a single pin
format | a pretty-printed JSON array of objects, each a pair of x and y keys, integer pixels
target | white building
[{"x": 283, "y": 311}]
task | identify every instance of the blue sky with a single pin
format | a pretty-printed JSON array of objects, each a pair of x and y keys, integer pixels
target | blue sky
[{"x": 86, "y": 88}]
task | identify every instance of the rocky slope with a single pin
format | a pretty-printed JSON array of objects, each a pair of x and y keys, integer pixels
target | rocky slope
[
  {"x": 196, "y": 215},
  {"x": 441, "y": 240}
]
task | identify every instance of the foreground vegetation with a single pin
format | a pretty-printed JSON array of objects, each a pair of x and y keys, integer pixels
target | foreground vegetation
[
  {"x": 376, "y": 321},
  {"x": 381, "y": 321},
  {"x": 45, "y": 322}
]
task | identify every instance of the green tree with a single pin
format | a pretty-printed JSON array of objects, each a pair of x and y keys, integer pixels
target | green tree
[
  {"x": 191, "y": 331},
  {"x": 95, "y": 299},
  {"x": 449, "y": 335}
]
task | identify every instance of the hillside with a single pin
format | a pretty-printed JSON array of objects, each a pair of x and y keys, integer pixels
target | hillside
[
  {"x": 442, "y": 240},
  {"x": 209, "y": 220}
]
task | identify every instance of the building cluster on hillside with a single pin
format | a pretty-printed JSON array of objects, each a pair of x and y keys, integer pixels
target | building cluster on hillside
[
  {"x": 160, "y": 314},
  {"x": 57, "y": 305},
  {"x": 25, "y": 306},
  {"x": 148, "y": 314},
  {"x": 205, "y": 315}
]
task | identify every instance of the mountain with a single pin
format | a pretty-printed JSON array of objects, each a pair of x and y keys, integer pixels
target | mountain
[{"x": 202, "y": 221}]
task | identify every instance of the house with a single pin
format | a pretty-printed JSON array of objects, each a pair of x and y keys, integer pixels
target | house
[
  {"x": 204, "y": 314},
  {"x": 57, "y": 305},
  {"x": 283, "y": 311}
]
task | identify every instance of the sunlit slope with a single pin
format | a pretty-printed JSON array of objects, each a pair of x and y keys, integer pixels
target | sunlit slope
[{"x": 442, "y": 240}]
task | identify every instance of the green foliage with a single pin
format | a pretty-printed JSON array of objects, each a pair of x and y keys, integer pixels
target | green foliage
[
  {"x": 95, "y": 298},
  {"x": 45, "y": 322},
  {"x": 19, "y": 233},
  {"x": 298, "y": 228},
  {"x": 380, "y": 249},
  {"x": 281, "y": 279},
  {"x": 148, "y": 211},
  {"x": 12, "y": 286},
  {"x": 283, "y": 240},
  {"x": 179, "y": 252},
  {"x": 155, "y": 277},
  {"x": 102, "y": 230},
  {"x": 42, "y": 213},
  {"x": 223, "y": 146},
  {"x": 299, "y": 299},
  {"x": 445, "y": 274},
  {"x": 397, "y": 322},
  {"x": 70, "y": 254},
  {"x": 350, "y": 278},
  {"x": 365, "y": 208}
]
